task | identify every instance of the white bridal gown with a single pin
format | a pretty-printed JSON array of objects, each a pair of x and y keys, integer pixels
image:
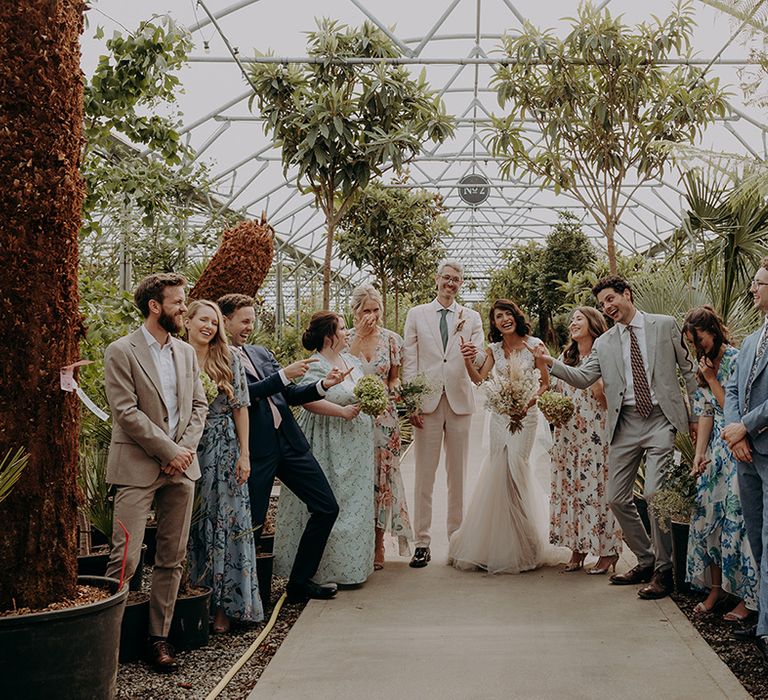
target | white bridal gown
[{"x": 505, "y": 528}]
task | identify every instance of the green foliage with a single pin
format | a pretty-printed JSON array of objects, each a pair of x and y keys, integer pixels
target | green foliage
[
  {"x": 372, "y": 395},
  {"x": 97, "y": 506},
  {"x": 340, "y": 125},
  {"x": 676, "y": 499},
  {"x": 11, "y": 467},
  {"x": 399, "y": 233},
  {"x": 532, "y": 275},
  {"x": 724, "y": 235},
  {"x": 601, "y": 101}
]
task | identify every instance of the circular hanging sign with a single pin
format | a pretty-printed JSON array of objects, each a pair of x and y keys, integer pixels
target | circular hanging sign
[{"x": 474, "y": 189}]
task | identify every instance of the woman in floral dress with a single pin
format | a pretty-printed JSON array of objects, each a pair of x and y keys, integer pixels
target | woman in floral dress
[
  {"x": 341, "y": 438},
  {"x": 719, "y": 556},
  {"x": 379, "y": 351},
  {"x": 222, "y": 552},
  {"x": 580, "y": 518}
]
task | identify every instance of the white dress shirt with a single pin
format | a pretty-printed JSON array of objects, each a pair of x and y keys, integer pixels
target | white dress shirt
[
  {"x": 166, "y": 369},
  {"x": 638, "y": 327}
]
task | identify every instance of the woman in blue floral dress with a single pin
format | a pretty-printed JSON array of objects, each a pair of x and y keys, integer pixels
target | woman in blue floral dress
[
  {"x": 380, "y": 353},
  {"x": 341, "y": 439},
  {"x": 719, "y": 555},
  {"x": 222, "y": 552}
]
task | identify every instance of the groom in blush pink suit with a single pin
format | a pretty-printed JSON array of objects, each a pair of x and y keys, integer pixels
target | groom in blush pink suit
[{"x": 434, "y": 335}]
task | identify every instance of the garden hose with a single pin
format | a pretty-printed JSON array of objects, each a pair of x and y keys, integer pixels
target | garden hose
[{"x": 224, "y": 682}]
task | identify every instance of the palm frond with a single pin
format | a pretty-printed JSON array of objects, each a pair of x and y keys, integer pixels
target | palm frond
[{"x": 11, "y": 467}]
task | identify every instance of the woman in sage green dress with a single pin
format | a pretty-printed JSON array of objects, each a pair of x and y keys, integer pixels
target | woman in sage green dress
[{"x": 341, "y": 439}]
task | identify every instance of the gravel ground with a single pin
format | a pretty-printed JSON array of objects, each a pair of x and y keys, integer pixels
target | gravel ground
[
  {"x": 201, "y": 669},
  {"x": 741, "y": 657}
]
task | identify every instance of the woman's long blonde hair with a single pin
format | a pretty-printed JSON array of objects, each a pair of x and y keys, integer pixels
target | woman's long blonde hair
[{"x": 218, "y": 358}]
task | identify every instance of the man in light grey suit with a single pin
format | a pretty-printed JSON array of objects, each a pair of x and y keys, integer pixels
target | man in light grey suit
[
  {"x": 746, "y": 432},
  {"x": 158, "y": 414},
  {"x": 638, "y": 361}
]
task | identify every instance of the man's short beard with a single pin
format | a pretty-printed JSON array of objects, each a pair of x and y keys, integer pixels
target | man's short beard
[{"x": 169, "y": 323}]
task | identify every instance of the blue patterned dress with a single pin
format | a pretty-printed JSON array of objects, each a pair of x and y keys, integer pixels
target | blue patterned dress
[
  {"x": 345, "y": 451},
  {"x": 222, "y": 553},
  {"x": 717, "y": 534}
]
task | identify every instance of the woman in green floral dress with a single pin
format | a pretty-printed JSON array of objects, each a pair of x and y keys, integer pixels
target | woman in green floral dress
[{"x": 379, "y": 351}]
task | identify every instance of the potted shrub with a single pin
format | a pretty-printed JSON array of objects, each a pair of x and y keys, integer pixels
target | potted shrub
[{"x": 674, "y": 504}]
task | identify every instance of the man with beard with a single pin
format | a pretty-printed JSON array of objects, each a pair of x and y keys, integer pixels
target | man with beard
[
  {"x": 158, "y": 409},
  {"x": 638, "y": 360}
]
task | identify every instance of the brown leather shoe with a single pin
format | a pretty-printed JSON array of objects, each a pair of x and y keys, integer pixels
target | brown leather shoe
[
  {"x": 638, "y": 574},
  {"x": 162, "y": 656},
  {"x": 661, "y": 585}
]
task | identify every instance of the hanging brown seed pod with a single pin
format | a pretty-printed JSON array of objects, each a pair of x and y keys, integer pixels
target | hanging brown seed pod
[{"x": 240, "y": 264}]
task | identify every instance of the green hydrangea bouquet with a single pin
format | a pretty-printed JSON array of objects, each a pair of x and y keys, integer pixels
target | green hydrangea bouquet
[{"x": 372, "y": 395}]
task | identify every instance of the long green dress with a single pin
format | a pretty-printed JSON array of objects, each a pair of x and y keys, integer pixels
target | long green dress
[{"x": 345, "y": 451}]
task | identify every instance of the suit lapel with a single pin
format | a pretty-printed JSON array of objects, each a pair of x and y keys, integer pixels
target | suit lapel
[
  {"x": 650, "y": 343},
  {"x": 434, "y": 324},
  {"x": 617, "y": 352},
  {"x": 179, "y": 364},
  {"x": 143, "y": 355},
  {"x": 253, "y": 356}
]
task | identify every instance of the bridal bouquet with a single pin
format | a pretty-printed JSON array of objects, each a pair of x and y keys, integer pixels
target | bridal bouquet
[
  {"x": 372, "y": 395},
  {"x": 556, "y": 407},
  {"x": 412, "y": 394},
  {"x": 509, "y": 396}
]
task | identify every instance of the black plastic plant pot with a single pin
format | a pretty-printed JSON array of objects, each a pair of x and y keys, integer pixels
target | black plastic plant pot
[
  {"x": 66, "y": 654},
  {"x": 264, "y": 565},
  {"x": 96, "y": 565},
  {"x": 680, "y": 555},
  {"x": 150, "y": 539},
  {"x": 191, "y": 617},
  {"x": 134, "y": 631}
]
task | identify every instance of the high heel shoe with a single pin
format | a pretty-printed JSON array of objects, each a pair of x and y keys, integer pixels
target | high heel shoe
[
  {"x": 608, "y": 563},
  {"x": 572, "y": 565},
  {"x": 701, "y": 610}
]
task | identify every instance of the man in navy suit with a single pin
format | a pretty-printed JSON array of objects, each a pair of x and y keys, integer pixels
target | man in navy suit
[
  {"x": 279, "y": 448},
  {"x": 746, "y": 432}
]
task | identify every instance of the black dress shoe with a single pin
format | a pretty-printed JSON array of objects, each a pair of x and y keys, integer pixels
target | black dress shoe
[
  {"x": 421, "y": 557},
  {"x": 310, "y": 589},
  {"x": 762, "y": 648},
  {"x": 638, "y": 574},
  {"x": 745, "y": 634},
  {"x": 661, "y": 585},
  {"x": 162, "y": 656}
]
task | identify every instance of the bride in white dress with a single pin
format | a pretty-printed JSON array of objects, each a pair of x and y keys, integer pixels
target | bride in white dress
[{"x": 505, "y": 527}]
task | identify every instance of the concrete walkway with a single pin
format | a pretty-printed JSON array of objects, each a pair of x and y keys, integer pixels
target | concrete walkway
[{"x": 445, "y": 634}]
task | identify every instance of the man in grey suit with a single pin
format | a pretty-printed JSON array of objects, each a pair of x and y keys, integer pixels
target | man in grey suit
[
  {"x": 158, "y": 414},
  {"x": 746, "y": 432},
  {"x": 638, "y": 361}
]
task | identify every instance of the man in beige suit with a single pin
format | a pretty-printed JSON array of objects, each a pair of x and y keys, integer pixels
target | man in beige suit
[
  {"x": 434, "y": 335},
  {"x": 158, "y": 413}
]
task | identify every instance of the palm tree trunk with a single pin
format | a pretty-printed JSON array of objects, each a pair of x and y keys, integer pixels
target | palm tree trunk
[{"x": 41, "y": 196}]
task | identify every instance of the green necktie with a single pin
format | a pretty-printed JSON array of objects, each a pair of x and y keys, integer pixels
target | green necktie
[{"x": 444, "y": 327}]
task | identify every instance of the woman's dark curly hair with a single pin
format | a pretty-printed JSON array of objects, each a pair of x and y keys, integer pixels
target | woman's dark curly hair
[
  {"x": 705, "y": 318},
  {"x": 522, "y": 326}
]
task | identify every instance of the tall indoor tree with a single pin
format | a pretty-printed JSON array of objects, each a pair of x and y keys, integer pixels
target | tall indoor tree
[
  {"x": 41, "y": 197},
  {"x": 340, "y": 124},
  {"x": 398, "y": 232},
  {"x": 601, "y": 98}
]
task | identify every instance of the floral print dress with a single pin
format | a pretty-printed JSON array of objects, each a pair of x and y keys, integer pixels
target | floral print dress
[
  {"x": 580, "y": 518},
  {"x": 717, "y": 534},
  {"x": 390, "y": 503},
  {"x": 222, "y": 552}
]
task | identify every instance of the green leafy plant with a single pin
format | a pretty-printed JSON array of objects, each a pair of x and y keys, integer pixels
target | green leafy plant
[
  {"x": 676, "y": 499},
  {"x": 11, "y": 468},
  {"x": 340, "y": 125},
  {"x": 372, "y": 395},
  {"x": 601, "y": 100}
]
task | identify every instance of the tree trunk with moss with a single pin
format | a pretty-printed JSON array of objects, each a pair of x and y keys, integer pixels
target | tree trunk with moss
[{"x": 41, "y": 197}]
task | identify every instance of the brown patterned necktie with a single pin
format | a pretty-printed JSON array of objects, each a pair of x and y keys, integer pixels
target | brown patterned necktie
[{"x": 639, "y": 378}]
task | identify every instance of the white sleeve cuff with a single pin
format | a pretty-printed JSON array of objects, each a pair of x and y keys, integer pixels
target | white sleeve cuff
[
  {"x": 320, "y": 389},
  {"x": 285, "y": 379}
]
